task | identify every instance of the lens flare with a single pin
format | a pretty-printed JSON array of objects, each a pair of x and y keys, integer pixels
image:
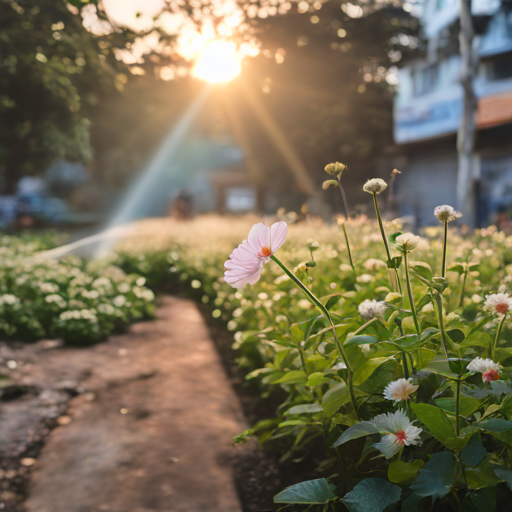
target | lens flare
[{"x": 218, "y": 62}]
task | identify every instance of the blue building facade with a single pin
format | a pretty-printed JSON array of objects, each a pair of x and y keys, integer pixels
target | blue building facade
[{"x": 428, "y": 110}]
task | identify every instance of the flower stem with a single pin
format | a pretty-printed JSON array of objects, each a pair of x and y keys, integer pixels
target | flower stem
[
  {"x": 443, "y": 268},
  {"x": 411, "y": 297},
  {"x": 457, "y": 404},
  {"x": 348, "y": 246},
  {"x": 498, "y": 332},
  {"x": 386, "y": 245},
  {"x": 463, "y": 290},
  {"x": 343, "y": 197},
  {"x": 327, "y": 316},
  {"x": 440, "y": 320}
]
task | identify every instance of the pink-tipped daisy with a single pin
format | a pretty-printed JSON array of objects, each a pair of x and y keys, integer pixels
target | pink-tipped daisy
[
  {"x": 246, "y": 262},
  {"x": 498, "y": 303},
  {"x": 487, "y": 367},
  {"x": 399, "y": 390},
  {"x": 399, "y": 432}
]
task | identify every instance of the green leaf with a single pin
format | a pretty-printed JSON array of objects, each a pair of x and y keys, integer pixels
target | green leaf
[
  {"x": 422, "y": 269},
  {"x": 481, "y": 476},
  {"x": 495, "y": 425},
  {"x": 361, "y": 429},
  {"x": 365, "y": 370},
  {"x": 456, "y": 335},
  {"x": 411, "y": 503},
  {"x": 372, "y": 495},
  {"x": 504, "y": 474},
  {"x": 395, "y": 262},
  {"x": 361, "y": 340},
  {"x": 404, "y": 472},
  {"x": 293, "y": 377},
  {"x": 436, "y": 421},
  {"x": 332, "y": 302},
  {"x": 500, "y": 387},
  {"x": 315, "y": 379},
  {"x": 467, "y": 405},
  {"x": 304, "y": 409},
  {"x": 484, "y": 500},
  {"x": 456, "y": 267},
  {"x": 436, "y": 477},
  {"x": 337, "y": 396},
  {"x": 441, "y": 366},
  {"x": 473, "y": 453},
  {"x": 310, "y": 492}
]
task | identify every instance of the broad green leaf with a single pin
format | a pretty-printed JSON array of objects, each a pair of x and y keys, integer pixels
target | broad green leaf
[
  {"x": 436, "y": 477},
  {"x": 315, "y": 379},
  {"x": 467, "y": 406},
  {"x": 500, "y": 387},
  {"x": 304, "y": 409},
  {"x": 495, "y": 425},
  {"x": 473, "y": 453},
  {"x": 492, "y": 409},
  {"x": 337, "y": 396},
  {"x": 310, "y": 492},
  {"x": 484, "y": 500},
  {"x": 296, "y": 333},
  {"x": 361, "y": 429},
  {"x": 441, "y": 366},
  {"x": 436, "y": 421},
  {"x": 293, "y": 377},
  {"x": 404, "y": 472},
  {"x": 365, "y": 370},
  {"x": 504, "y": 474},
  {"x": 456, "y": 335},
  {"x": 422, "y": 269},
  {"x": 372, "y": 495},
  {"x": 411, "y": 503},
  {"x": 291, "y": 423},
  {"x": 481, "y": 476}
]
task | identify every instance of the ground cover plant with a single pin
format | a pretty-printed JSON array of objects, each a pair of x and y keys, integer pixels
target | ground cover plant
[
  {"x": 73, "y": 299},
  {"x": 393, "y": 349}
]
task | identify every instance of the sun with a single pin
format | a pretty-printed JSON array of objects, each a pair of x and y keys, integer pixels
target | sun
[{"x": 218, "y": 62}]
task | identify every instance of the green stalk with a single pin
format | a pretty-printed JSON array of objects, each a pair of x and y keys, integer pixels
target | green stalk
[
  {"x": 498, "y": 332},
  {"x": 463, "y": 290},
  {"x": 443, "y": 268},
  {"x": 303, "y": 361},
  {"x": 348, "y": 247},
  {"x": 384, "y": 239},
  {"x": 343, "y": 197},
  {"x": 444, "y": 336},
  {"x": 457, "y": 404},
  {"x": 409, "y": 292},
  {"x": 327, "y": 316}
]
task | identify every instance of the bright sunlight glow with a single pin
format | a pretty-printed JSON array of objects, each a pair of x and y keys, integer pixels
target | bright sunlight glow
[{"x": 217, "y": 62}]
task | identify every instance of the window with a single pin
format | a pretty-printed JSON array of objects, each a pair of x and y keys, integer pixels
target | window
[
  {"x": 425, "y": 80},
  {"x": 500, "y": 67}
]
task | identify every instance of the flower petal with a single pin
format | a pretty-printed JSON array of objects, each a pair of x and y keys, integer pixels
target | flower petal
[
  {"x": 278, "y": 232},
  {"x": 259, "y": 237}
]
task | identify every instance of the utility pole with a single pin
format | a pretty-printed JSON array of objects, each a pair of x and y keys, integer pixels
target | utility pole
[{"x": 467, "y": 129}]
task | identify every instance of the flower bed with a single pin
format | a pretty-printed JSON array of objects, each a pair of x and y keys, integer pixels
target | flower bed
[
  {"x": 412, "y": 404},
  {"x": 79, "y": 301}
]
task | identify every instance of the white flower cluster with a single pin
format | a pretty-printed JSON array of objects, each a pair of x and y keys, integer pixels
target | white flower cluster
[
  {"x": 80, "y": 314},
  {"x": 446, "y": 213},
  {"x": 375, "y": 186},
  {"x": 8, "y": 298},
  {"x": 369, "y": 309}
]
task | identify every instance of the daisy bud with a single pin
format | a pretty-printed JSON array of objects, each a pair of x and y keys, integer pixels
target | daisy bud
[
  {"x": 302, "y": 267},
  {"x": 335, "y": 169},
  {"x": 498, "y": 303},
  {"x": 394, "y": 172},
  {"x": 407, "y": 242},
  {"x": 446, "y": 213},
  {"x": 375, "y": 186},
  {"x": 312, "y": 245},
  {"x": 487, "y": 367},
  {"x": 399, "y": 390},
  {"x": 328, "y": 183}
]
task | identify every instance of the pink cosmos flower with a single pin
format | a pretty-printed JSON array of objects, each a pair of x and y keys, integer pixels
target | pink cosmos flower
[{"x": 246, "y": 261}]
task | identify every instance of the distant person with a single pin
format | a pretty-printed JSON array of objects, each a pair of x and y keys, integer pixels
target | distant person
[{"x": 182, "y": 208}]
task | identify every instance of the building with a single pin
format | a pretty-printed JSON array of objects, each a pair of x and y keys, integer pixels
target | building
[{"x": 428, "y": 109}]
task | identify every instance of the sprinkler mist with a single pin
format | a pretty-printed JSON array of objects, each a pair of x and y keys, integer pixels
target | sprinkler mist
[{"x": 137, "y": 196}]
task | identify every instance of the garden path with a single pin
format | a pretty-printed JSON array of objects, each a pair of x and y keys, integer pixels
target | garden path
[{"x": 151, "y": 431}]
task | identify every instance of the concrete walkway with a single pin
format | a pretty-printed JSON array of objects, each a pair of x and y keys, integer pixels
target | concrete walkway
[{"x": 153, "y": 429}]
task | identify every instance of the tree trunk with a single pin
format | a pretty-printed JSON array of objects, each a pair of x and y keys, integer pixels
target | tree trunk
[{"x": 467, "y": 128}]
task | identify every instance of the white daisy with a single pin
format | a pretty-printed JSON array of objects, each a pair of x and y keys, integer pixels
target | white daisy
[
  {"x": 446, "y": 213},
  {"x": 487, "y": 367},
  {"x": 399, "y": 432},
  {"x": 498, "y": 303},
  {"x": 399, "y": 390},
  {"x": 375, "y": 186},
  {"x": 369, "y": 309}
]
